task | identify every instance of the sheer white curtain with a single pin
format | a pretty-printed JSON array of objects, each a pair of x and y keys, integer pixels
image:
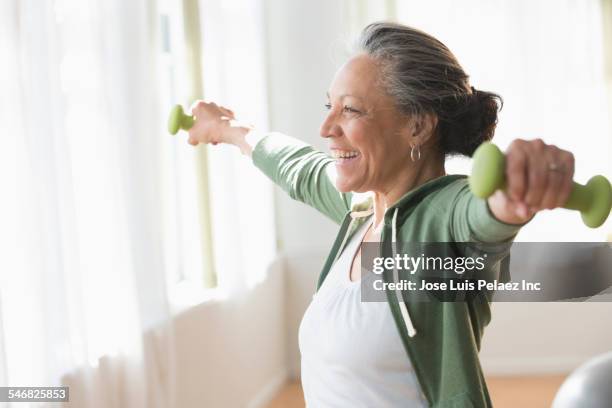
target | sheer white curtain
[
  {"x": 242, "y": 206},
  {"x": 82, "y": 287},
  {"x": 546, "y": 59}
]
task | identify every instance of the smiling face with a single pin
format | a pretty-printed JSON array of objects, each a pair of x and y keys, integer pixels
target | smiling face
[{"x": 367, "y": 135}]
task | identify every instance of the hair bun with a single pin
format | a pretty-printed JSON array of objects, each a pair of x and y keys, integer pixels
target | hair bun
[{"x": 470, "y": 123}]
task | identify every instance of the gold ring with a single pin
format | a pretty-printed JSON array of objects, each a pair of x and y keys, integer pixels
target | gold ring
[{"x": 556, "y": 167}]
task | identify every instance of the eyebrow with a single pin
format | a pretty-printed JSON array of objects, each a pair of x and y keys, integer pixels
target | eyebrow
[{"x": 344, "y": 95}]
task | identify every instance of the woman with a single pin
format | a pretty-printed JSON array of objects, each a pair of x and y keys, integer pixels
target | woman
[{"x": 397, "y": 108}]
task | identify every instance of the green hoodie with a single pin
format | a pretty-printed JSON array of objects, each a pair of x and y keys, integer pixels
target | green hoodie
[{"x": 442, "y": 339}]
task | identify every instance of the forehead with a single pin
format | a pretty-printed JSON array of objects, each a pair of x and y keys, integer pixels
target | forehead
[{"x": 358, "y": 77}]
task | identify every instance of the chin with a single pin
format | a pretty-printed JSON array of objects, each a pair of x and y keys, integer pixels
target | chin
[
  {"x": 348, "y": 186},
  {"x": 343, "y": 186}
]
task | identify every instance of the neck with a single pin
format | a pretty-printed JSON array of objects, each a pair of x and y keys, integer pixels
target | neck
[{"x": 402, "y": 183}]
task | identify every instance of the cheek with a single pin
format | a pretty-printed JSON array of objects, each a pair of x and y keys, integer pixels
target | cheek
[
  {"x": 362, "y": 138},
  {"x": 383, "y": 155}
]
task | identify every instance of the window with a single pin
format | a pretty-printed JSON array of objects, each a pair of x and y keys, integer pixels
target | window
[
  {"x": 218, "y": 207},
  {"x": 188, "y": 237}
]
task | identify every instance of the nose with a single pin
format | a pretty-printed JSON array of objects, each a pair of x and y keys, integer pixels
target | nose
[{"x": 329, "y": 127}]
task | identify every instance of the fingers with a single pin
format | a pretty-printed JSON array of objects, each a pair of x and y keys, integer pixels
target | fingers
[
  {"x": 192, "y": 141},
  {"x": 538, "y": 175},
  {"x": 209, "y": 123},
  {"x": 567, "y": 161},
  {"x": 551, "y": 196},
  {"x": 211, "y": 108},
  {"x": 198, "y": 106},
  {"x": 516, "y": 170},
  {"x": 227, "y": 112}
]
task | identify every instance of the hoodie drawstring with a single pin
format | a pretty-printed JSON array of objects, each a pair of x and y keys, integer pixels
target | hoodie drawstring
[
  {"x": 346, "y": 234},
  {"x": 406, "y": 316},
  {"x": 404, "y": 310},
  {"x": 354, "y": 215}
]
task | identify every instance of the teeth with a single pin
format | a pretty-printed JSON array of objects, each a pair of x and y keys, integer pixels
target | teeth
[{"x": 343, "y": 154}]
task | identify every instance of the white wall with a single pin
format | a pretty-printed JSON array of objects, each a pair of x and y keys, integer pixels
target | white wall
[
  {"x": 303, "y": 37},
  {"x": 545, "y": 337},
  {"x": 232, "y": 353},
  {"x": 300, "y": 69},
  {"x": 302, "y": 43}
]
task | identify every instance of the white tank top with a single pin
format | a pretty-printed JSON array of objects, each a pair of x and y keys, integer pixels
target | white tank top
[{"x": 352, "y": 354}]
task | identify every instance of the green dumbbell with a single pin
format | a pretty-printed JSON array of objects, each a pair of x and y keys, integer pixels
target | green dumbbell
[
  {"x": 593, "y": 200},
  {"x": 178, "y": 120}
]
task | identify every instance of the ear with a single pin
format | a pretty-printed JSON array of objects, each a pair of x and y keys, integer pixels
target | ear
[
  {"x": 419, "y": 129},
  {"x": 423, "y": 129}
]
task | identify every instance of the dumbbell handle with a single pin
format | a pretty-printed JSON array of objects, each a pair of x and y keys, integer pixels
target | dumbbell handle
[
  {"x": 178, "y": 120},
  {"x": 593, "y": 200}
]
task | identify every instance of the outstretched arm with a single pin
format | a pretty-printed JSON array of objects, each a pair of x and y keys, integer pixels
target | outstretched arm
[
  {"x": 539, "y": 176},
  {"x": 306, "y": 174}
]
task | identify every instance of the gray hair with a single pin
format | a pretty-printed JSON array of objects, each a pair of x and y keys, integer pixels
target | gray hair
[{"x": 423, "y": 76}]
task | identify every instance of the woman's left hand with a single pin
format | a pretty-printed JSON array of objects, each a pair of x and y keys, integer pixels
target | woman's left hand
[{"x": 538, "y": 176}]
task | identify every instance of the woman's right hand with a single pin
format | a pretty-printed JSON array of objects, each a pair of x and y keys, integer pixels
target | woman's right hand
[{"x": 212, "y": 124}]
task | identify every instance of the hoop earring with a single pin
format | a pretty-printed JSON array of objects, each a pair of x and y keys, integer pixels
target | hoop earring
[{"x": 418, "y": 153}]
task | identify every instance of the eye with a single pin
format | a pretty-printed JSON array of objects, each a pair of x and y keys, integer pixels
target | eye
[
  {"x": 328, "y": 106},
  {"x": 350, "y": 109}
]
